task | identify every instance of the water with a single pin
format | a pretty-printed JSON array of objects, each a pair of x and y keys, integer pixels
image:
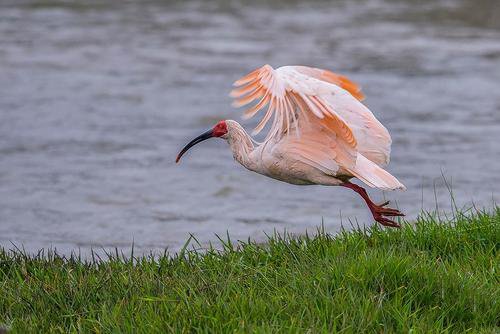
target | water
[{"x": 96, "y": 99}]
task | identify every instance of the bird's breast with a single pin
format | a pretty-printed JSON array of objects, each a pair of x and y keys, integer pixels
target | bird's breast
[{"x": 280, "y": 167}]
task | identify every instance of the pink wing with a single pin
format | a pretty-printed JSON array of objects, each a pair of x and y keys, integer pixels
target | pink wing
[
  {"x": 374, "y": 141},
  {"x": 295, "y": 106},
  {"x": 332, "y": 127}
]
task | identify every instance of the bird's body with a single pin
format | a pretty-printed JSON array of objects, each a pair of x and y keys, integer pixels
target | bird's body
[
  {"x": 272, "y": 159},
  {"x": 320, "y": 133}
]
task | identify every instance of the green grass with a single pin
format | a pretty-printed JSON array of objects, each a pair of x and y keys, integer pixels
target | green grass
[{"x": 426, "y": 277}]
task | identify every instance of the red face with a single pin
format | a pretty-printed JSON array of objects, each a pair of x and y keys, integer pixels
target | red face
[{"x": 220, "y": 129}]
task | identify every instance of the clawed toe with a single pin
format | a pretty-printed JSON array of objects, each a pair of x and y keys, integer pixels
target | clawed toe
[
  {"x": 385, "y": 203},
  {"x": 379, "y": 211},
  {"x": 386, "y": 222},
  {"x": 391, "y": 212}
]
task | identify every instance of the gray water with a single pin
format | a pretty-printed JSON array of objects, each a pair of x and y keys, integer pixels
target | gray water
[{"x": 97, "y": 98}]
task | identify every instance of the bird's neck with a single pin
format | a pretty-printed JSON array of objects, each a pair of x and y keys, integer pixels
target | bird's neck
[{"x": 241, "y": 145}]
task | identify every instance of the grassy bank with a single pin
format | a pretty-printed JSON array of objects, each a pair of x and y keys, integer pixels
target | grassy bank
[{"x": 429, "y": 277}]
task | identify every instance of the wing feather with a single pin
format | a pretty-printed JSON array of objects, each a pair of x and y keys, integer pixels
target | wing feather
[
  {"x": 243, "y": 90},
  {"x": 340, "y": 80},
  {"x": 248, "y": 78},
  {"x": 266, "y": 117},
  {"x": 249, "y": 113},
  {"x": 256, "y": 94}
]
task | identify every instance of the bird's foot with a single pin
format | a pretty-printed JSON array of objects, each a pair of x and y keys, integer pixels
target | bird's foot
[{"x": 379, "y": 211}]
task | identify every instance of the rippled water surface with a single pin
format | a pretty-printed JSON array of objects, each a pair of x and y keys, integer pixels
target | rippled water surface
[{"x": 97, "y": 98}]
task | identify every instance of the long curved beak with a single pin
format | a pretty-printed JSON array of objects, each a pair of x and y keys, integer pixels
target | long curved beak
[{"x": 199, "y": 139}]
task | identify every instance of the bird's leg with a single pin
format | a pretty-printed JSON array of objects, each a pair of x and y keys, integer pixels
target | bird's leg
[{"x": 378, "y": 211}]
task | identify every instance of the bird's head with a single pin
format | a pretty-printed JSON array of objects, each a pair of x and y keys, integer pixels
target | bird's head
[{"x": 220, "y": 130}]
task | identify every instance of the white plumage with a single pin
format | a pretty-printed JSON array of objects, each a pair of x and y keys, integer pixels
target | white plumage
[{"x": 320, "y": 132}]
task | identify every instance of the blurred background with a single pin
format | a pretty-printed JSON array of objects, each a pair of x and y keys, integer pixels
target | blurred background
[{"x": 97, "y": 98}]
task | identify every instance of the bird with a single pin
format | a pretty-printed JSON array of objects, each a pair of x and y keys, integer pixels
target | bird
[{"x": 319, "y": 133}]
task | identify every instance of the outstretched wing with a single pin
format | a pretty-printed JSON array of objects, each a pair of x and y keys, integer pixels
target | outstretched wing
[
  {"x": 323, "y": 138},
  {"x": 299, "y": 95},
  {"x": 334, "y": 131},
  {"x": 289, "y": 95}
]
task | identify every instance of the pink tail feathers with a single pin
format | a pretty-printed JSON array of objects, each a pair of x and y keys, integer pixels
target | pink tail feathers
[{"x": 374, "y": 176}]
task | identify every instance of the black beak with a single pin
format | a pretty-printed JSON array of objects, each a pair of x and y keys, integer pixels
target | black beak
[{"x": 199, "y": 139}]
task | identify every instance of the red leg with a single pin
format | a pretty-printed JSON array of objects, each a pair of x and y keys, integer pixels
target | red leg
[{"x": 378, "y": 211}]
